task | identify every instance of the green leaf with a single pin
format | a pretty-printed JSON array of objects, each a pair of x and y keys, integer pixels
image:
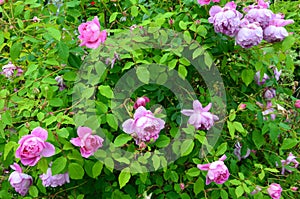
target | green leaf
[
  {"x": 208, "y": 59},
  {"x": 221, "y": 149},
  {"x": 224, "y": 194},
  {"x": 122, "y": 139},
  {"x": 162, "y": 141},
  {"x": 63, "y": 132},
  {"x": 183, "y": 25},
  {"x": 235, "y": 182},
  {"x": 288, "y": 42},
  {"x": 288, "y": 143},
  {"x": 187, "y": 37},
  {"x": 106, "y": 91},
  {"x": 112, "y": 121},
  {"x": 239, "y": 127},
  {"x": 143, "y": 74},
  {"x": 193, "y": 172},
  {"x": 113, "y": 17},
  {"x": 239, "y": 191},
  {"x": 258, "y": 139},
  {"x": 8, "y": 147},
  {"x": 43, "y": 165},
  {"x": 76, "y": 171},
  {"x": 182, "y": 71},
  {"x": 199, "y": 51},
  {"x": 155, "y": 161},
  {"x": 58, "y": 165},
  {"x": 33, "y": 191},
  {"x": 63, "y": 51},
  {"x": 271, "y": 170},
  {"x": 124, "y": 177},
  {"x": 56, "y": 102},
  {"x": 18, "y": 10},
  {"x": 134, "y": 11},
  {"x": 247, "y": 76},
  {"x": 54, "y": 33},
  {"x": 231, "y": 129},
  {"x": 15, "y": 50},
  {"x": 261, "y": 175},
  {"x": 6, "y": 118},
  {"x": 187, "y": 147},
  {"x": 198, "y": 186},
  {"x": 97, "y": 168}
]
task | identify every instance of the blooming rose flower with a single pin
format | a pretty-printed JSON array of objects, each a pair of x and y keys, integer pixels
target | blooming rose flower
[
  {"x": 54, "y": 180},
  {"x": 200, "y": 118},
  {"x": 60, "y": 82},
  {"x": 141, "y": 101},
  {"x": 144, "y": 126},
  {"x": 274, "y": 190},
  {"x": 87, "y": 142},
  {"x": 275, "y": 31},
  {"x": 297, "y": 104},
  {"x": 251, "y": 34},
  {"x": 9, "y": 69},
  {"x": 203, "y": 2},
  {"x": 90, "y": 34},
  {"x": 263, "y": 80},
  {"x": 225, "y": 20},
  {"x": 269, "y": 93},
  {"x": 20, "y": 181},
  {"x": 268, "y": 110},
  {"x": 259, "y": 13},
  {"x": 290, "y": 159},
  {"x": 33, "y": 147},
  {"x": 238, "y": 151},
  {"x": 217, "y": 171},
  {"x": 2, "y": 2},
  {"x": 276, "y": 73}
]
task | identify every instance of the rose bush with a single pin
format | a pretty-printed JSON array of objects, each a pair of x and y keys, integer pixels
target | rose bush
[{"x": 74, "y": 125}]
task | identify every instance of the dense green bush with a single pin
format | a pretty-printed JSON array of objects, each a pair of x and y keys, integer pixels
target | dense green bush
[{"x": 169, "y": 52}]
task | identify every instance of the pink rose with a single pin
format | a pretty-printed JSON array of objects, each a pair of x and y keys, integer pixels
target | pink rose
[
  {"x": 242, "y": 106},
  {"x": 54, "y": 180},
  {"x": 141, "y": 101},
  {"x": 144, "y": 127},
  {"x": 20, "y": 181},
  {"x": 297, "y": 104},
  {"x": 1, "y": 2},
  {"x": 33, "y": 147},
  {"x": 217, "y": 171},
  {"x": 90, "y": 34},
  {"x": 10, "y": 69},
  {"x": 203, "y": 2},
  {"x": 200, "y": 117},
  {"x": 87, "y": 142},
  {"x": 274, "y": 190}
]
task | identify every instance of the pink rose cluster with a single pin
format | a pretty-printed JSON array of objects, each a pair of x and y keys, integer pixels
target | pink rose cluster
[
  {"x": 200, "y": 117},
  {"x": 217, "y": 171},
  {"x": 258, "y": 23},
  {"x": 206, "y": 2},
  {"x": 144, "y": 127},
  {"x": 33, "y": 147},
  {"x": 9, "y": 70},
  {"x": 90, "y": 34}
]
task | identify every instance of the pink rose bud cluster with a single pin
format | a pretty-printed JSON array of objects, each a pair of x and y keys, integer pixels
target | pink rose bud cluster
[
  {"x": 200, "y": 117},
  {"x": 90, "y": 34},
  {"x": 259, "y": 23},
  {"x": 291, "y": 159},
  {"x": 19, "y": 180},
  {"x": 141, "y": 101},
  {"x": 217, "y": 171},
  {"x": 87, "y": 142},
  {"x": 34, "y": 146},
  {"x": 49, "y": 180},
  {"x": 225, "y": 20},
  {"x": 206, "y": 2},
  {"x": 10, "y": 69},
  {"x": 274, "y": 191},
  {"x": 144, "y": 127}
]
